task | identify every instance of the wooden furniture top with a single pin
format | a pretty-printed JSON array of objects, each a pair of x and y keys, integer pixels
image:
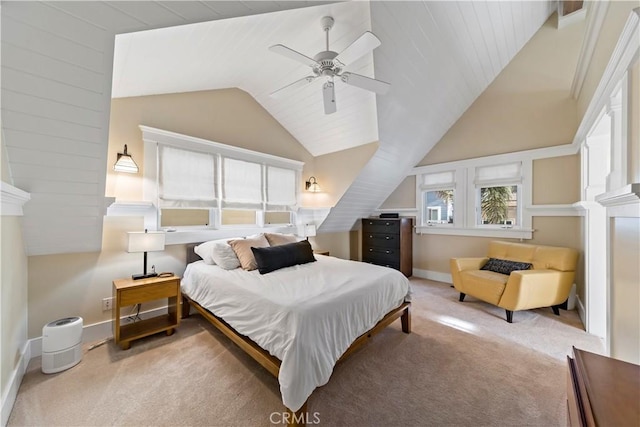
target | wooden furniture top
[
  {"x": 613, "y": 388},
  {"x": 130, "y": 283}
]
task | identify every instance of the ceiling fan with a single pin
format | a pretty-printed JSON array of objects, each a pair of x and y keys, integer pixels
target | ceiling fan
[{"x": 330, "y": 64}]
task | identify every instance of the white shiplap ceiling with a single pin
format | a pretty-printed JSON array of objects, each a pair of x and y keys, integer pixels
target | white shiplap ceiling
[
  {"x": 57, "y": 78},
  {"x": 234, "y": 53}
]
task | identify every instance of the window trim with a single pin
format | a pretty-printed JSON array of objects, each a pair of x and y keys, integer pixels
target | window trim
[
  {"x": 466, "y": 193},
  {"x": 153, "y": 138}
]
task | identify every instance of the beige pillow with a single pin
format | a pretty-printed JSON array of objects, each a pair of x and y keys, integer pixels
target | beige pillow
[
  {"x": 242, "y": 248},
  {"x": 280, "y": 239}
]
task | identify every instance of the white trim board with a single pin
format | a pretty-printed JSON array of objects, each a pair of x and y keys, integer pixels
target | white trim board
[
  {"x": 11, "y": 392},
  {"x": 433, "y": 275},
  {"x": 12, "y": 199}
]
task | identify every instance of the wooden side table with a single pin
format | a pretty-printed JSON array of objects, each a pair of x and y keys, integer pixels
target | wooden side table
[
  {"x": 321, "y": 252},
  {"x": 127, "y": 292}
]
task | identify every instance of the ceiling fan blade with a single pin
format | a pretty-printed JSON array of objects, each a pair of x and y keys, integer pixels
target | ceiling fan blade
[
  {"x": 360, "y": 47},
  {"x": 292, "y": 54},
  {"x": 298, "y": 83},
  {"x": 329, "y": 96},
  {"x": 373, "y": 85}
]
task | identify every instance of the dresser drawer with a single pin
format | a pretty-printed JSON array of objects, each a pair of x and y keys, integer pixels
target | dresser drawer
[
  {"x": 380, "y": 240},
  {"x": 378, "y": 252},
  {"x": 391, "y": 264},
  {"x": 380, "y": 226}
]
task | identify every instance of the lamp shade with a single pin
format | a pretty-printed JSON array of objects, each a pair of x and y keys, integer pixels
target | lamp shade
[
  {"x": 140, "y": 241},
  {"x": 125, "y": 163},
  {"x": 307, "y": 230}
]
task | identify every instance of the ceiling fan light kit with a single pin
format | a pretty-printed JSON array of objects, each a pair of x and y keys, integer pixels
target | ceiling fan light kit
[{"x": 329, "y": 64}]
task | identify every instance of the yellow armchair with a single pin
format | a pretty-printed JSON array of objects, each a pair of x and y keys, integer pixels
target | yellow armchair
[{"x": 546, "y": 284}]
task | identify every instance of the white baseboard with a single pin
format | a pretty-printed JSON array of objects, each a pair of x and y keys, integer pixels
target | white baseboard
[
  {"x": 96, "y": 331},
  {"x": 581, "y": 311},
  {"x": 433, "y": 275},
  {"x": 9, "y": 397}
]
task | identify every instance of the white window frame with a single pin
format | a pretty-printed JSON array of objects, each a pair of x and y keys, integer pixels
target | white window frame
[
  {"x": 153, "y": 138},
  {"x": 466, "y": 195}
]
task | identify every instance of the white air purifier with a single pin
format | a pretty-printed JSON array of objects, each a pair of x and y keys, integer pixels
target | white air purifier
[{"x": 61, "y": 344}]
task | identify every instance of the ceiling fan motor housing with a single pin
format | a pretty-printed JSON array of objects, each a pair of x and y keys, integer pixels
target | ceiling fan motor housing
[{"x": 326, "y": 65}]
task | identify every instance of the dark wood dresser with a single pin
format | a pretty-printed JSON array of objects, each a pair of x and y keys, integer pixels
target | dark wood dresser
[
  {"x": 602, "y": 391},
  {"x": 388, "y": 242}
]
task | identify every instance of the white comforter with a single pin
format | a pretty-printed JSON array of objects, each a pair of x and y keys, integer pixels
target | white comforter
[{"x": 306, "y": 315}]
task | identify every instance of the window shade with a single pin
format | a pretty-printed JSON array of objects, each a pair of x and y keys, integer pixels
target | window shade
[
  {"x": 186, "y": 178},
  {"x": 281, "y": 188},
  {"x": 438, "y": 180},
  {"x": 241, "y": 184},
  {"x": 510, "y": 173}
]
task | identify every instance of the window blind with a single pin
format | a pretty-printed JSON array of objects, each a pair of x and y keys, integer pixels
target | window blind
[
  {"x": 438, "y": 180},
  {"x": 281, "y": 189},
  {"x": 186, "y": 178},
  {"x": 494, "y": 175},
  {"x": 241, "y": 184}
]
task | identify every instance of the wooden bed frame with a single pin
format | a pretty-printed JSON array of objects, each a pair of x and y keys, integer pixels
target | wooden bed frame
[{"x": 271, "y": 363}]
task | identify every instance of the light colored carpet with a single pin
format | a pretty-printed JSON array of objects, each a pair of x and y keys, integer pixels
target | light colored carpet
[{"x": 463, "y": 364}]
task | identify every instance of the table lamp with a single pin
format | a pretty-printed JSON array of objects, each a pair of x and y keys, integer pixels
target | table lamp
[{"x": 145, "y": 242}]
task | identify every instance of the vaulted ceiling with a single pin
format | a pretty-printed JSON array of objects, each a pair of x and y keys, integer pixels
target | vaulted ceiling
[{"x": 57, "y": 75}]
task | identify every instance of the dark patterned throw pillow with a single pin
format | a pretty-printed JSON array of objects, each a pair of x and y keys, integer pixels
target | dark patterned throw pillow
[{"x": 504, "y": 266}]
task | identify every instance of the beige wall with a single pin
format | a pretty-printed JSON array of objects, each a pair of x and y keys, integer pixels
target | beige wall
[
  {"x": 617, "y": 13},
  {"x": 336, "y": 171},
  {"x": 13, "y": 297},
  {"x": 403, "y": 197},
  {"x": 527, "y": 106},
  {"x": 228, "y": 116},
  {"x": 625, "y": 289},
  {"x": 556, "y": 180}
]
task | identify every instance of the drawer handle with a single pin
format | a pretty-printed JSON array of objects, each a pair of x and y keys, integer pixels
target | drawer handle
[
  {"x": 370, "y": 250},
  {"x": 370, "y": 236},
  {"x": 387, "y": 237},
  {"x": 388, "y": 223},
  {"x": 388, "y": 252}
]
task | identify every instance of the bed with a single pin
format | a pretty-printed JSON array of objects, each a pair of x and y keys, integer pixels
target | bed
[{"x": 299, "y": 321}]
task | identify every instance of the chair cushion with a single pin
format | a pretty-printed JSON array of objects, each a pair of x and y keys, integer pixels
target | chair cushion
[
  {"x": 505, "y": 266},
  {"x": 483, "y": 284}
]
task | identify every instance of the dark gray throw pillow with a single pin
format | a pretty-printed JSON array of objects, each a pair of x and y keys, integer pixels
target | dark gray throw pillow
[
  {"x": 504, "y": 266},
  {"x": 277, "y": 257}
]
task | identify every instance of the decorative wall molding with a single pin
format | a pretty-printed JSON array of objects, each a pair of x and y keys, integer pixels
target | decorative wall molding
[
  {"x": 595, "y": 19},
  {"x": 625, "y": 52},
  {"x": 12, "y": 200},
  {"x": 503, "y": 233},
  {"x": 555, "y": 210},
  {"x": 629, "y": 194}
]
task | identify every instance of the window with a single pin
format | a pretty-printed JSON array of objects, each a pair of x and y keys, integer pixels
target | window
[
  {"x": 203, "y": 184},
  {"x": 497, "y": 194},
  {"x": 476, "y": 197},
  {"x": 437, "y": 197},
  {"x": 439, "y": 206}
]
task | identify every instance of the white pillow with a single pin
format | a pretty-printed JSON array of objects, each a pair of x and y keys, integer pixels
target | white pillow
[
  {"x": 224, "y": 256},
  {"x": 204, "y": 250}
]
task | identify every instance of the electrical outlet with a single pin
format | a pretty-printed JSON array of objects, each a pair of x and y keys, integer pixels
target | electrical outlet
[{"x": 107, "y": 303}]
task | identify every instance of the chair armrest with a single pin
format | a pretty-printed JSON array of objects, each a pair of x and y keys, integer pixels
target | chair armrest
[
  {"x": 460, "y": 264},
  {"x": 536, "y": 288}
]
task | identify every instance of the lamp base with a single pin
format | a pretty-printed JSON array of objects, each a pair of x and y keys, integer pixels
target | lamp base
[{"x": 143, "y": 276}]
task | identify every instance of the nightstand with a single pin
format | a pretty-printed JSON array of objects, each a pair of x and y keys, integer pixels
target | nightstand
[
  {"x": 127, "y": 292},
  {"x": 321, "y": 252}
]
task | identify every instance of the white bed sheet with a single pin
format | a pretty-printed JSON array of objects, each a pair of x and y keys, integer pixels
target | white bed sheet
[{"x": 306, "y": 315}]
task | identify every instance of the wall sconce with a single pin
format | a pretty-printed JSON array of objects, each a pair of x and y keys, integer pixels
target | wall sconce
[
  {"x": 312, "y": 185},
  {"x": 125, "y": 163}
]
